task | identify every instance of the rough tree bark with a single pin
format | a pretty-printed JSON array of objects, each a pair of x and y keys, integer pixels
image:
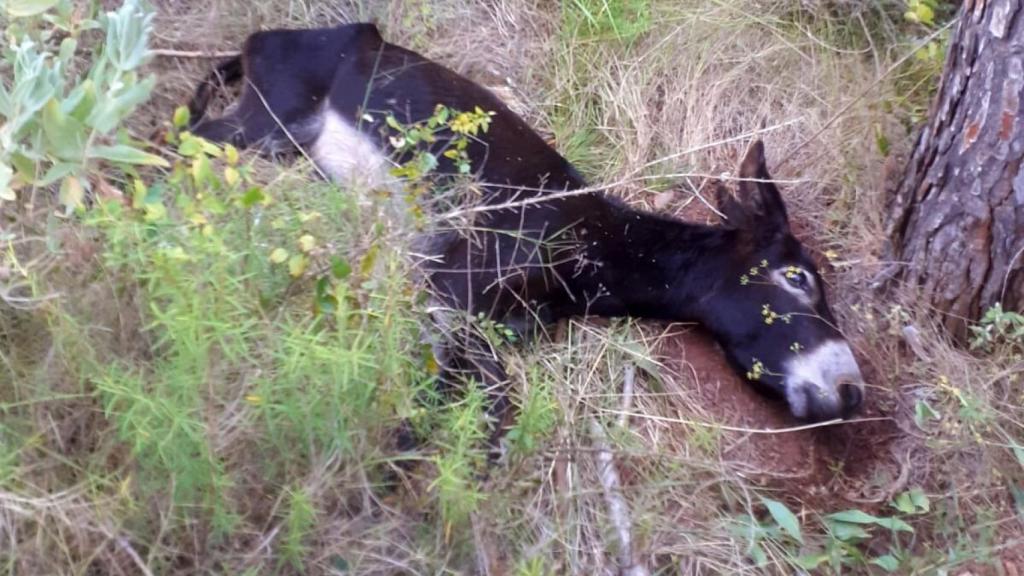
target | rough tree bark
[{"x": 956, "y": 218}]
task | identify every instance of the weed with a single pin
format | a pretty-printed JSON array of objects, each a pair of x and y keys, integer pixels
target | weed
[
  {"x": 537, "y": 414},
  {"x": 999, "y": 328},
  {"x": 60, "y": 133}
]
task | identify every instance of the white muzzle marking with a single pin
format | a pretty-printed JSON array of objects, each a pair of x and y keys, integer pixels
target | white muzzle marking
[{"x": 814, "y": 377}]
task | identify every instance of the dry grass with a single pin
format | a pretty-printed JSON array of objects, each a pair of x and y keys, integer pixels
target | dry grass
[{"x": 656, "y": 102}]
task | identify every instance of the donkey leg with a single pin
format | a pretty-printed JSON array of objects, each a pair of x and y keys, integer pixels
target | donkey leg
[
  {"x": 474, "y": 362},
  {"x": 468, "y": 360},
  {"x": 227, "y": 129}
]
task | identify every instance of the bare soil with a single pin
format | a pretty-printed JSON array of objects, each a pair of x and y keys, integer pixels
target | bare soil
[{"x": 820, "y": 467}]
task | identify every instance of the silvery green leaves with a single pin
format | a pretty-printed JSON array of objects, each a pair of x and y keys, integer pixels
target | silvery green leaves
[
  {"x": 128, "y": 32},
  {"x": 35, "y": 81},
  {"x": 26, "y": 8},
  {"x": 54, "y": 127}
]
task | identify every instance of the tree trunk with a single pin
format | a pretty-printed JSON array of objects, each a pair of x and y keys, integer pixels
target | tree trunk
[{"x": 956, "y": 218}]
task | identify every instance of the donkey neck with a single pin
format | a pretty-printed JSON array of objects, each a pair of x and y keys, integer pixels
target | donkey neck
[{"x": 652, "y": 266}]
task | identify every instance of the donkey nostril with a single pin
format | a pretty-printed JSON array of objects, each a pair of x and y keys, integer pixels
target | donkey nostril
[{"x": 851, "y": 396}]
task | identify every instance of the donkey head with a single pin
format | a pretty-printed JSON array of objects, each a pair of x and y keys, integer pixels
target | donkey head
[{"x": 770, "y": 313}]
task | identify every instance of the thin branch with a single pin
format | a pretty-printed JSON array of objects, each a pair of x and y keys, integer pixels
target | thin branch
[
  {"x": 834, "y": 422},
  {"x": 171, "y": 53},
  {"x": 618, "y": 509},
  {"x": 125, "y": 545}
]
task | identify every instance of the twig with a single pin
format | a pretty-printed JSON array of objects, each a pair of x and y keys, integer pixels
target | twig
[
  {"x": 913, "y": 338},
  {"x": 287, "y": 132},
  {"x": 548, "y": 196},
  {"x": 834, "y": 422},
  {"x": 1009, "y": 270},
  {"x": 127, "y": 547},
  {"x": 627, "y": 395},
  {"x": 171, "y": 53},
  {"x": 618, "y": 509}
]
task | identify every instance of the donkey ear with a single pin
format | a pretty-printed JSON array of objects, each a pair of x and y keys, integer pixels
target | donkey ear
[
  {"x": 765, "y": 209},
  {"x": 734, "y": 212}
]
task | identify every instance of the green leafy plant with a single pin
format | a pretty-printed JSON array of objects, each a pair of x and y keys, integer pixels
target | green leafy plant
[
  {"x": 537, "y": 413},
  {"x": 57, "y": 129},
  {"x": 458, "y": 460},
  {"x": 451, "y": 129},
  {"x": 997, "y": 328},
  {"x": 299, "y": 521},
  {"x": 310, "y": 366},
  {"x": 847, "y": 535}
]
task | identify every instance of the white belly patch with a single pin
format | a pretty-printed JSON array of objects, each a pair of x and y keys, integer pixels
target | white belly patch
[{"x": 349, "y": 157}]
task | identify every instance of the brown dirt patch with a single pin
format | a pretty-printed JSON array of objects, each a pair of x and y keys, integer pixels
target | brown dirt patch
[{"x": 827, "y": 467}]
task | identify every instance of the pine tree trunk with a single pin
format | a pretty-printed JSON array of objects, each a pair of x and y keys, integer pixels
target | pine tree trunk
[{"x": 956, "y": 218}]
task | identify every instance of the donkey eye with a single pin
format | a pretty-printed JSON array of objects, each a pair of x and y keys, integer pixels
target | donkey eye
[{"x": 797, "y": 278}]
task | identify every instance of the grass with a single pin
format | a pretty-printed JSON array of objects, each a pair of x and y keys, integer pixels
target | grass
[{"x": 205, "y": 374}]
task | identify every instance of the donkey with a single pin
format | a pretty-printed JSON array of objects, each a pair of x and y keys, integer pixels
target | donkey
[{"x": 546, "y": 246}]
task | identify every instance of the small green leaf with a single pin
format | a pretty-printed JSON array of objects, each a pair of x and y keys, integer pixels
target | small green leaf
[
  {"x": 920, "y": 499},
  {"x": 369, "y": 259},
  {"x": 757, "y": 554},
  {"x": 154, "y": 212},
  {"x": 231, "y": 176},
  {"x": 65, "y": 135},
  {"x": 861, "y": 517},
  {"x": 881, "y": 141},
  {"x": 894, "y": 524},
  {"x": 202, "y": 171},
  {"x": 340, "y": 268},
  {"x": 56, "y": 172},
  {"x": 847, "y": 532},
  {"x": 925, "y": 14},
  {"x": 297, "y": 265},
  {"x": 1018, "y": 498},
  {"x": 181, "y": 117},
  {"x": 904, "y": 504},
  {"x": 279, "y": 255},
  {"x": 6, "y": 176},
  {"x": 924, "y": 412},
  {"x": 325, "y": 302},
  {"x": 67, "y": 49},
  {"x": 231, "y": 154},
  {"x": 26, "y": 8},
  {"x": 889, "y": 563},
  {"x": 253, "y": 196},
  {"x": 811, "y": 561},
  {"x": 110, "y": 110},
  {"x": 339, "y": 563},
  {"x": 82, "y": 100},
  {"x": 190, "y": 146},
  {"x": 853, "y": 517},
  {"x": 72, "y": 193},
  {"x": 1018, "y": 451},
  {"x": 785, "y": 519},
  {"x": 24, "y": 166},
  {"x": 127, "y": 155}
]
